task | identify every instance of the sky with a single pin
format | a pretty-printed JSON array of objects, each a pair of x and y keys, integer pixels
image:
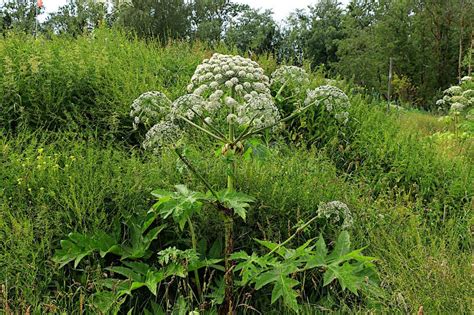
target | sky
[{"x": 281, "y": 8}]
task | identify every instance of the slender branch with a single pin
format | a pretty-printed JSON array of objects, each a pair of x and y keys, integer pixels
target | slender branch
[
  {"x": 242, "y": 134},
  {"x": 217, "y": 131},
  {"x": 192, "y": 169},
  {"x": 202, "y": 129},
  {"x": 295, "y": 114},
  {"x": 301, "y": 228},
  {"x": 281, "y": 89}
]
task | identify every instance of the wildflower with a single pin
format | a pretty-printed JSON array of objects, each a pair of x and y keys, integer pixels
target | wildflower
[
  {"x": 469, "y": 94},
  {"x": 466, "y": 79},
  {"x": 453, "y": 90},
  {"x": 186, "y": 106},
  {"x": 149, "y": 108},
  {"x": 332, "y": 98},
  {"x": 162, "y": 134},
  {"x": 293, "y": 77},
  {"x": 239, "y": 83},
  {"x": 336, "y": 212},
  {"x": 457, "y": 107}
]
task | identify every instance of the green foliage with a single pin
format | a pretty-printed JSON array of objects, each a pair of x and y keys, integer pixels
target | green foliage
[
  {"x": 281, "y": 265},
  {"x": 180, "y": 205},
  {"x": 411, "y": 197}
]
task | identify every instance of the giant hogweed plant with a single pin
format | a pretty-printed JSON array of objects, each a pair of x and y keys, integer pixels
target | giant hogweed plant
[{"x": 230, "y": 101}]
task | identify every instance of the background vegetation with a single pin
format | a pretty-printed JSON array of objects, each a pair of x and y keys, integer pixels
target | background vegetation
[
  {"x": 429, "y": 41},
  {"x": 70, "y": 162}
]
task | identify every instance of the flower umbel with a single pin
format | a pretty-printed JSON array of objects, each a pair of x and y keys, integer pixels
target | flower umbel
[
  {"x": 295, "y": 78},
  {"x": 162, "y": 134},
  {"x": 149, "y": 108},
  {"x": 233, "y": 89},
  {"x": 336, "y": 212},
  {"x": 333, "y": 99}
]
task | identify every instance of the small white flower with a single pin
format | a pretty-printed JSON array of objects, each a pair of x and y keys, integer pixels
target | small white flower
[
  {"x": 231, "y": 118},
  {"x": 229, "y": 84},
  {"x": 457, "y": 107},
  {"x": 149, "y": 108},
  {"x": 453, "y": 90}
]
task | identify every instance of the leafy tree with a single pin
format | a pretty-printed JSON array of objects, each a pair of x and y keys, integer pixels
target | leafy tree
[
  {"x": 160, "y": 19},
  {"x": 253, "y": 31},
  {"x": 293, "y": 37},
  {"x": 325, "y": 32},
  {"x": 76, "y": 17},
  {"x": 19, "y": 15},
  {"x": 210, "y": 18}
]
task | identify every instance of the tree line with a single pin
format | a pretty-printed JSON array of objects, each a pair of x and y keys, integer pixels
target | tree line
[{"x": 429, "y": 41}]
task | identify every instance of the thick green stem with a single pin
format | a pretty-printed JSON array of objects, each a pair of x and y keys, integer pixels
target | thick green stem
[
  {"x": 229, "y": 228},
  {"x": 194, "y": 244}
]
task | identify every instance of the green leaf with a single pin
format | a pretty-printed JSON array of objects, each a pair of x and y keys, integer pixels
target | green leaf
[
  {"x": 318, "y": 258},
  {"x": 127, "y": 272},
  {"x": 281, "y": 250},
  {"x": 346, "y": 275},
  {"x": 77, "y": 246},
  {"x": 282, "y": 283},
  {"x": 152, "y": 280},
  {"x": 341, "y": 248},
  {"x": 284, "y": 289},
  {"x": 236, "y": 201},
  {"x": 180, "y": 205},
  {"x": 106, "y": 302},
  {"x": 196, "y": 265}
]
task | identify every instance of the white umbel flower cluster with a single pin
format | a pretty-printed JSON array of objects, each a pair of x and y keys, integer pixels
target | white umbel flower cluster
[
  {"x": 337, "y": 213},
  {"x": 295, "y": 78},
  {"x": 163, "y": 133},
  {"x": 234, "y": 89},
  {"x": 458, "y": 99},
  {"x": 149, "y": 108},
  {"x": 453, "y": 90},
  {"x": 333, "y": 99},
  {"x": 457, "y": 107}
]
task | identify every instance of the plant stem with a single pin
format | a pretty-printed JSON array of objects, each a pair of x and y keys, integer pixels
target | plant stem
[
  {"x": 192, "y": 169},
  {"x": 293, "y": 115},
  {"x": 229, "y": 228},
  {"x": 208, "y": 125},
  {"x": 202, "y": 129},
  {"x": 301, "y": 228},
  {"x": 194, "y": 244},
  {"x": 281, "y": 89}
]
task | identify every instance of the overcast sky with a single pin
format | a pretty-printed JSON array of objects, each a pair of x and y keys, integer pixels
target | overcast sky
[{"x": 281, "y": 8}]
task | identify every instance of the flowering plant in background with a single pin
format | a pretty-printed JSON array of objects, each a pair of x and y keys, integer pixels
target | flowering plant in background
[
  {"x": 458, "y": 99},
  {"x": 149, "y": 108},
  {"x": 289, "y": 84},
  {"x": 333, "y": 99}
]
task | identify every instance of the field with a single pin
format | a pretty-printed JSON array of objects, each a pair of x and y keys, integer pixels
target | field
[{"x": 72, "y": 162}]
